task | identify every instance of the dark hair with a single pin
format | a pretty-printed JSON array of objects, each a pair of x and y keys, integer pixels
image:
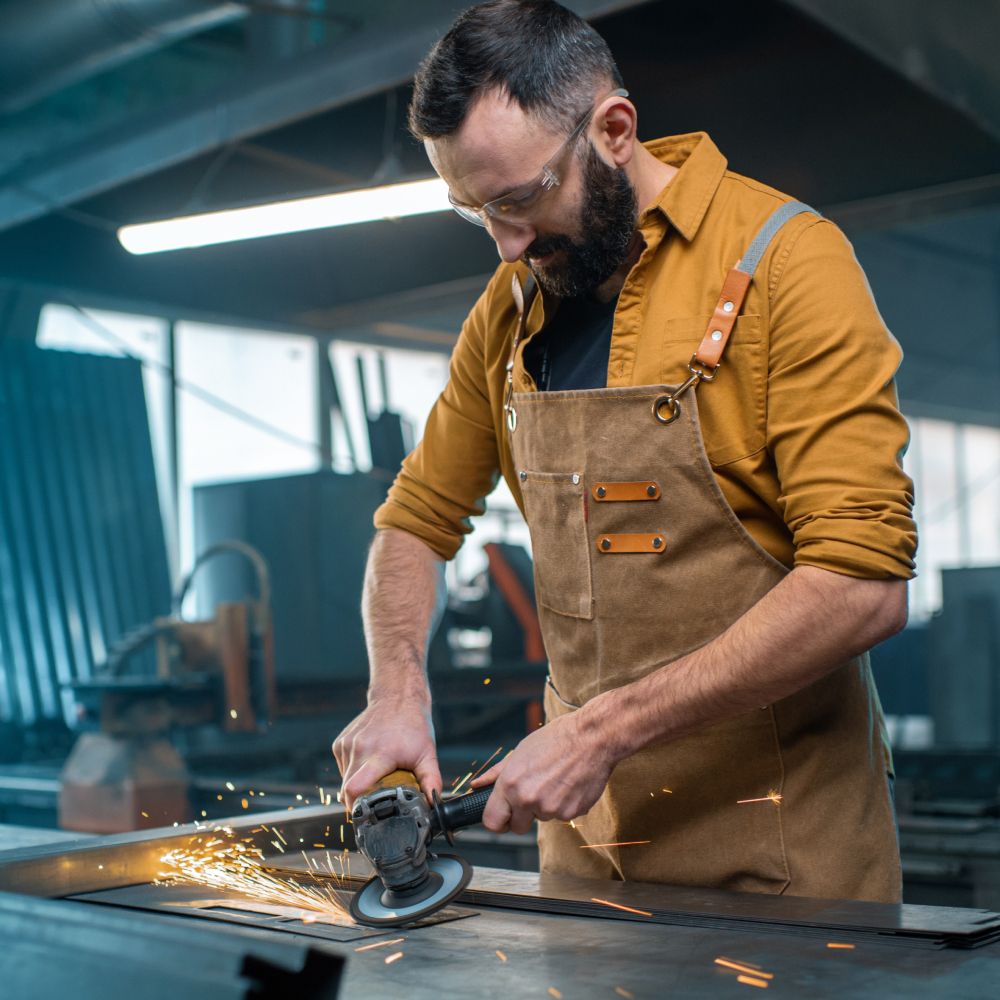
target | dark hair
[{"x": 546, "y": 58}]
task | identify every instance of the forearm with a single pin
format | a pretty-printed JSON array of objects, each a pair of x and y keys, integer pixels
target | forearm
[
  {"x": 810, "y": 623},
  {"x": 404, "y": 595}
]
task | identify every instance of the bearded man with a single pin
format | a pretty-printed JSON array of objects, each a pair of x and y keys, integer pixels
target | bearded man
[{"x": 697, "y": 417}]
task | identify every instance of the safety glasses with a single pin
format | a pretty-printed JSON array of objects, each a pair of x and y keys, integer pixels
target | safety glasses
[{"x": 517, "y": 207}]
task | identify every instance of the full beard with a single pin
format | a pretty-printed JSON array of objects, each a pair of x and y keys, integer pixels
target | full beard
[{"x": 607, "y": 220}]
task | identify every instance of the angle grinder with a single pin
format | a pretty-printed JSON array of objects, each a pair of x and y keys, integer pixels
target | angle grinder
[{"x": 394, "y": 825}]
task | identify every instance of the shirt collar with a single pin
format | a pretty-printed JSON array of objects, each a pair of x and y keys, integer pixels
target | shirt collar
[{"x": 685, "y": 200}]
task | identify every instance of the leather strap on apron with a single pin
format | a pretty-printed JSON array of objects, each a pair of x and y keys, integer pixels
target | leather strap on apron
[{"x": 706, "y": 360}]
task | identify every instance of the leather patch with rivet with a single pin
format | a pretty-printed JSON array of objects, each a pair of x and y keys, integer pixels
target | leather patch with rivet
[
  {"x": 720, "y": 326},
  {"x": 607, "y": 492},
  {"x": 616, "y": 544}
]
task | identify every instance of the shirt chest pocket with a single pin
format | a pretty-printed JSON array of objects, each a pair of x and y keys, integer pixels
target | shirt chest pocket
[{"x": 733, "y": 408}]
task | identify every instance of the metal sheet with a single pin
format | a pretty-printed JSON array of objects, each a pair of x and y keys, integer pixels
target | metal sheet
[
  {"x": 181, "y": 900},
  {"x": 921, "y": 926},
  {"x": 578, "y": 956},
  {"x": 82, "y": 552}
]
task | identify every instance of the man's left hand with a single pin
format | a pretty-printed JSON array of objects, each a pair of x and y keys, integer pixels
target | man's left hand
[{"x": 556, "y": 772}]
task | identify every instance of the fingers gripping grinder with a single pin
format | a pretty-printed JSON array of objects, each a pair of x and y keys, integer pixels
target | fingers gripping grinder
[{"x": 394, "y": 825}]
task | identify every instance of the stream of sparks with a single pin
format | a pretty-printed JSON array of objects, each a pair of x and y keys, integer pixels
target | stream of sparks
[
  {"x": 772, "y": 796},
  {"x": 222, "y": 862}
]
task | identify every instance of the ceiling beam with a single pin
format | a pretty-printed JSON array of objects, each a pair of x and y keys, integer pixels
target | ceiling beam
[{"x": 369, "y": 62}]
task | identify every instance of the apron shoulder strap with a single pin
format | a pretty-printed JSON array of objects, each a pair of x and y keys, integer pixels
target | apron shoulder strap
[{"x": 734, "y": 288}]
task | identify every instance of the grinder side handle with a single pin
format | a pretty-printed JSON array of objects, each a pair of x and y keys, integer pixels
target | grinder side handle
[{"x": 465, "y": 810}]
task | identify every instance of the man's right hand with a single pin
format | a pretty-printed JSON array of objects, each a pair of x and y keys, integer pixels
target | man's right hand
[{"x": 392, "y": 733}]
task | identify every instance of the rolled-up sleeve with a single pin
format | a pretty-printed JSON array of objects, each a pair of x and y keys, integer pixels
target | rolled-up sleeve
[
  {"x": 833, "y": 424},
  {"x": 446, "y": 478}
]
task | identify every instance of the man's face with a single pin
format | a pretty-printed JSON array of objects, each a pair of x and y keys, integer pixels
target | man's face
[{"x": 580, "y": 231}]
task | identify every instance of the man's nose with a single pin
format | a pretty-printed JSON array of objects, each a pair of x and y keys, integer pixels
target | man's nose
[{"x": 511, "y": 241}]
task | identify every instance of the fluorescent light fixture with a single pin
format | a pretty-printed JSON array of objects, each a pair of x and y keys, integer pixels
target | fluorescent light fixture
[{"x": 346, "y": 208}]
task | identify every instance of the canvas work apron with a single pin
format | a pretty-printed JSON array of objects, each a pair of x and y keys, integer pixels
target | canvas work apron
[{"x": 639, "y": 560}]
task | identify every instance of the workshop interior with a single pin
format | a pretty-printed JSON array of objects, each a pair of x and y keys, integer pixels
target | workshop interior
[{"x": 194, "y": 440}]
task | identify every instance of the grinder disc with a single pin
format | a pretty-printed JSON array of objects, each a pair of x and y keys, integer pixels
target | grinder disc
[{"x": 376, "y": 906}]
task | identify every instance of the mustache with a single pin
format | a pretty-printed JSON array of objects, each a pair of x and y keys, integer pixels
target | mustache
[{"x": 545, "y": 245}]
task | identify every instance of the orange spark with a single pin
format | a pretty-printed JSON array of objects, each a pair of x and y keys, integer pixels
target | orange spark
[
  {"x": 244, "y": 803},
  {"x": 669, "y": 791},
  {"x": 380, "y": 944},
  {"x": 486, "y": 680},
  {"x": 394, "y": 957},
  {"x": 501, "y": 955},
  {"x": 838, "y": 944},
  {"x": 618, "y": 906},
  {"x": 752, "y": 981},
  {"x": 462, "y": 782},
  {"x": 772, "y": 796},
  {"x": 748, "y": 967},
  {"x": 622, "y": 992},
  {"x": 489, "y": 760},
  {"x": 553, "y": 992},
  {"x": 621, "y": 843},
  {"x": 225, "y": 863}
]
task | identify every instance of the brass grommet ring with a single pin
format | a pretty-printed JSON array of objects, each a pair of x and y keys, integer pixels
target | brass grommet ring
[{"x": 668, "y": 403}]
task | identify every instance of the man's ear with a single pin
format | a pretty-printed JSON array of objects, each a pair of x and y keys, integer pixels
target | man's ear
[{"x": 616, "y": 126}]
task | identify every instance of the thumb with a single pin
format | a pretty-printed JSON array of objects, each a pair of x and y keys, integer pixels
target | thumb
[{"x": 487, "y": 778}]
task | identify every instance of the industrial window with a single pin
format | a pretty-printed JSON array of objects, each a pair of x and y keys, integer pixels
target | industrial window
[
  {"x": 406, "y": 382},
  {"x": 956, "y": 472},
  {"x": 413, "y": 381},
  {"x": 247, "y": 409}
]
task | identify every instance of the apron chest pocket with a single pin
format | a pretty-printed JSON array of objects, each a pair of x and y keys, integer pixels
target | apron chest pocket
[{"x": 555, "y": 507}]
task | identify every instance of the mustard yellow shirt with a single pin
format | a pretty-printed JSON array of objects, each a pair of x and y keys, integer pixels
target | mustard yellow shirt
[{"x": 801, "y": 425}]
